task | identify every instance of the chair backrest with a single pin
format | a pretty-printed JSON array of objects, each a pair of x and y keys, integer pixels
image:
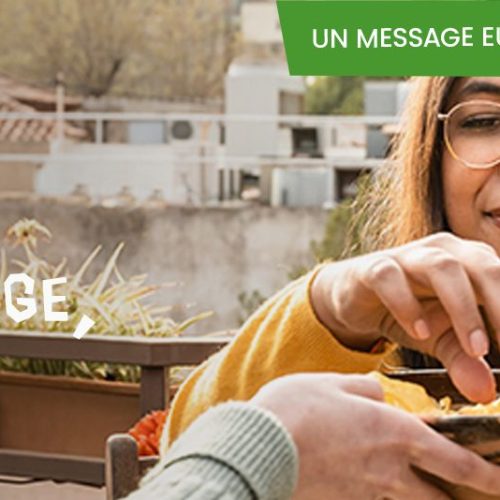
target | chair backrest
[{"x": 124, "y": 468}]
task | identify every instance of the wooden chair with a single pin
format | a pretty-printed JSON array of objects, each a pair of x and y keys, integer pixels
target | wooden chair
[{"x": 124, "y": 468}]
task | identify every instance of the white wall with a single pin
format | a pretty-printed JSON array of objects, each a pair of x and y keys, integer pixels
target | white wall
[
  {"x": 254, "y": 89},
  {"x": 105, "y": 168}
]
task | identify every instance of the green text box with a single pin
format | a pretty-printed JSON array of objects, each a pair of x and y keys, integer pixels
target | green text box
[{"x": 300, "y": 17}]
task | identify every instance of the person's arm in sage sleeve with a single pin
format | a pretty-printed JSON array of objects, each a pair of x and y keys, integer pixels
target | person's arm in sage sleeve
[
  {"x": 315, "y": 436},
  {"x": 235, "y": 451}
]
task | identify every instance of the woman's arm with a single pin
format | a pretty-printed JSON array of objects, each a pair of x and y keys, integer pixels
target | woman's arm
[
  {"x": 424, "y": 295},
  {"x": 283, "y": 336}
]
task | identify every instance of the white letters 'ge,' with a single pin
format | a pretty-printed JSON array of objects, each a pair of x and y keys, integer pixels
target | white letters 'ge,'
[{"x": 30, "y": 306}]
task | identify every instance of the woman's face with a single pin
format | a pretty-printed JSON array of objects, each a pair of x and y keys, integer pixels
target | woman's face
[{"x": 472, "y": 196}]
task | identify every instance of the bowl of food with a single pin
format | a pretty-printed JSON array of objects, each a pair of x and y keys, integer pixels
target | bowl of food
[{"x": 431, "y": 394}]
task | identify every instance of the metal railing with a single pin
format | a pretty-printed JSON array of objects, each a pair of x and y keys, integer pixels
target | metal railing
[
  {"x": 202, "y": 121},
  {"x": 204, "y": 150}
]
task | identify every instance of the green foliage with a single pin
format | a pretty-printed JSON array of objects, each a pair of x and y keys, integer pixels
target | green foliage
[
  {"x": 335, "y": 96},
  {"x": 342, "y": 232},
  {"x": 295, "y": 272},
  {"x": 249, "y": 302},
  {"x": 333, "y": 244},
  {"x": 115, "y": 303}
]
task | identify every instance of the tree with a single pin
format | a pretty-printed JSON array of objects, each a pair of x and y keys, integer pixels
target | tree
[
  {"x": 167, "y": 48},
  {"x": 335, "y": 96},
  {"x": 191, "y": 44},
  {"x": 89, "y": 42}
]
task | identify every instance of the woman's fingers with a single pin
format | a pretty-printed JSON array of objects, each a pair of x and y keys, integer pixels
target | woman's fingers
[
  {"x": 404, "y": 280},
  {"x": 491, "y": 302},
  {"x": 471, "y": 376},
  {"x": 486, "y": 280},
  {"x": 388, "y": 281},
  {"x": 445, "y": 275},
  {"x": 482, "y": 264}
]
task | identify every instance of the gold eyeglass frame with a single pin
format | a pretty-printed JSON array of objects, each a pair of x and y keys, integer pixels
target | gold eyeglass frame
[{"x": 445, "y": 118}]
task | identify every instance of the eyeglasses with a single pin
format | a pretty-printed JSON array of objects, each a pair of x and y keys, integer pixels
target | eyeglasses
[{"x": 472, "y": 133}]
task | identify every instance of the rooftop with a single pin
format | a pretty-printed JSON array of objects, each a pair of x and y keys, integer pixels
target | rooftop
[{"x": 18, "y": 97}]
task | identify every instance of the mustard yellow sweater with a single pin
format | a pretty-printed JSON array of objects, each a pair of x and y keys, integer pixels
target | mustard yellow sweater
[{"x": 283, "y": 336}]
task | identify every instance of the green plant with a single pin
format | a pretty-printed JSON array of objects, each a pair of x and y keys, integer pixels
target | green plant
[
  {"x": 115, "y": 303},
  {"x": 342, "y": 236},
  {"x": 335, "y": 96},
  {"x": 249, "y": 302},
  {"x": 333, "y": 244}
]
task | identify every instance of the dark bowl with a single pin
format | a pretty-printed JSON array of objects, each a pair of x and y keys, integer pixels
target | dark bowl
[{"x": 476, "y": 432}]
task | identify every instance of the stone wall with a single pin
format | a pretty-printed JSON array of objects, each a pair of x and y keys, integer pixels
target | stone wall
[{"x": 213, "y": 254}]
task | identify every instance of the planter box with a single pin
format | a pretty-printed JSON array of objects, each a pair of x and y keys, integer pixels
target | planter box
[
  {"x": 64, "y": 415},
  {"x": 56, "y": 427}
]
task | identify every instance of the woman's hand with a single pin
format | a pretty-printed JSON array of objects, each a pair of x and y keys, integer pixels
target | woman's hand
[
  {"x": 424, "y": 295},
  {"x": 351, "y": 445}
]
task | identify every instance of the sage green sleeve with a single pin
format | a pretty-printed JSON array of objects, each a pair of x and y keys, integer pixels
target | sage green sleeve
[{"x": 234, "y": 451}]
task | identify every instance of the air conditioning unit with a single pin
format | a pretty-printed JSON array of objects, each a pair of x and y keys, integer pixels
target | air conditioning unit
[
  {"x": 187, "y": 133},
  {"x": 181, "y": 131}
]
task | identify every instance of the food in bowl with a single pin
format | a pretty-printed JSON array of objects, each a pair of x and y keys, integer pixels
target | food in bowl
[{"x": 414, "y": 398}]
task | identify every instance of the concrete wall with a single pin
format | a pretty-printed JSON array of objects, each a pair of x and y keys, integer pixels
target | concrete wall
[{"x": 216, "y": 253}]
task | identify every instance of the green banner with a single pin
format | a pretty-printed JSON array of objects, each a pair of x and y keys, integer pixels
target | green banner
[{"x": 391, "y": 37}]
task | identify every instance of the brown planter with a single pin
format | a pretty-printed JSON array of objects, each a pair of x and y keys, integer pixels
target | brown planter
[
  {"x": 56, "y": 427},
  {"x": 64, "y": 415}
]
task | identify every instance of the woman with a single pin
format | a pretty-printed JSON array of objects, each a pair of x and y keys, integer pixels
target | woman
[{"x": 433, "y": 243}]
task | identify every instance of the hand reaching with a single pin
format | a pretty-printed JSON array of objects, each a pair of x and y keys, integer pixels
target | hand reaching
[{"x": 424, "y": 295}]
